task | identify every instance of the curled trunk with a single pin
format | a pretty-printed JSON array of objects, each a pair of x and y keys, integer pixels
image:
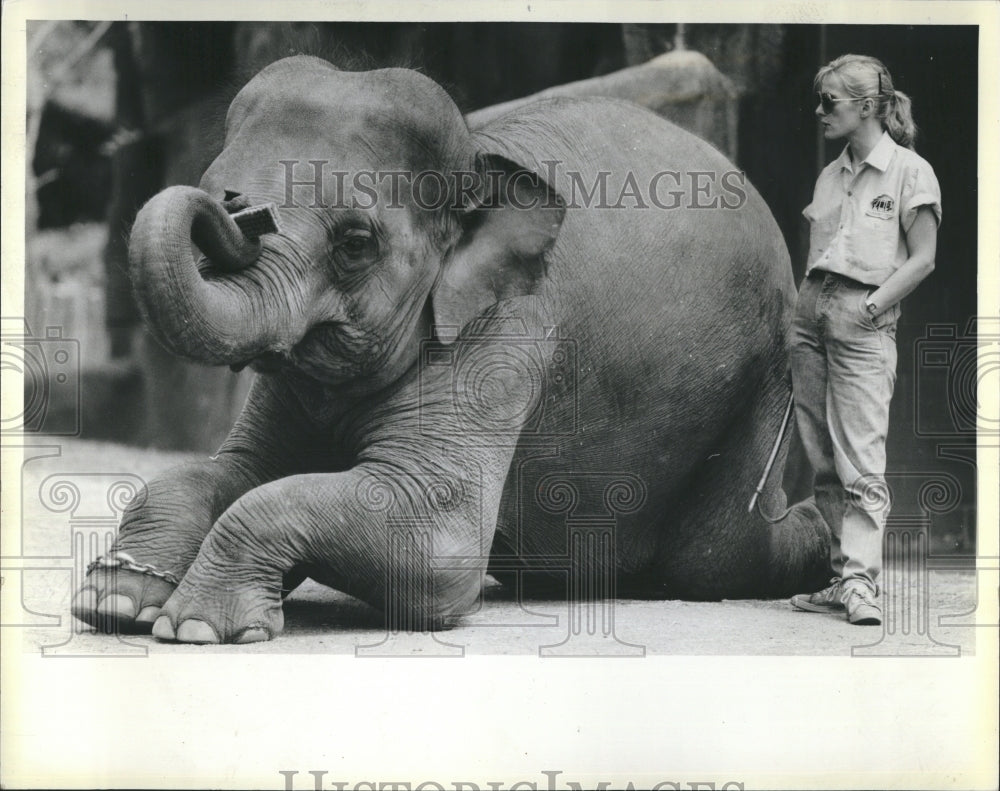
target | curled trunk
[{"x": 206, "y": 314}]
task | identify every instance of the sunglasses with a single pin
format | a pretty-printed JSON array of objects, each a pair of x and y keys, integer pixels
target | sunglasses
[{"x": 827, "y": 102}]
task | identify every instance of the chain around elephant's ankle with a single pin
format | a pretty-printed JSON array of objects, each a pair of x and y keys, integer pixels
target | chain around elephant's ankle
[{"x": 122, "y": 560}]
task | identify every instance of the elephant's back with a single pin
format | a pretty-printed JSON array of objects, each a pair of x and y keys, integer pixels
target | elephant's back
[
  {"x": 652, "y": 210},
  {"x": 675, "y": 290},
  {"x": 657, "y": 179}
]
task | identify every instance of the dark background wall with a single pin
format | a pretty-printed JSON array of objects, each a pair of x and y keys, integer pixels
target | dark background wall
[{"x": 174, "y": 81}]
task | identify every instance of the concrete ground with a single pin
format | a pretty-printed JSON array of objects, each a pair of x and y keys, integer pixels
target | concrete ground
[{"x": 74, "y": 493}]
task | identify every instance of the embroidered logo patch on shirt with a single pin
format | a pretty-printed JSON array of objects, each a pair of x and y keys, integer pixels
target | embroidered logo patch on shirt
[{"x": 881, "y": 207}]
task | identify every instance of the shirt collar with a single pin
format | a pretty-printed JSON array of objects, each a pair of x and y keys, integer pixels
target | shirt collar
[
  {"x": 844, "y": 160},
  {"x": 879, "y": 157}
]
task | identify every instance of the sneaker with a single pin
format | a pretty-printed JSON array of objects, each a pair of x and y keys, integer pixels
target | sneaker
[
  {"x": 862, "y": 607},
  {"x": 826, "y": 600}
]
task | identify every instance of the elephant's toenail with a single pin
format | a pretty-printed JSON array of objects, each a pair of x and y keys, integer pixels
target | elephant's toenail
[
  {"x": 117, "y": 606},
  {"x": 163, "y": 629},
  {"x": 147, "y": 615},
  {"x": 194, "y": 631},
  {"x": 253, "y": 636}
]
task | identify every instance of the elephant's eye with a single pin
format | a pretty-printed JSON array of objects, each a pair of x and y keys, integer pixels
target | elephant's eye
[{"x": 358, "y": 244}]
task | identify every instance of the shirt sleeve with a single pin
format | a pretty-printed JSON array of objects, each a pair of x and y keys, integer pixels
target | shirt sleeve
[
  {"x": 921, "y": 189},
  {"x": 809, "y": 212}
]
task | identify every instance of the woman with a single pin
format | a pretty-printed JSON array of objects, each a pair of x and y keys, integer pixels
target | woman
[{"x": 873, "y": 234}]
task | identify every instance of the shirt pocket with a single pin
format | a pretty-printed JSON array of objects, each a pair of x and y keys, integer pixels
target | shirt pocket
[{"x": 874, "y": 242}]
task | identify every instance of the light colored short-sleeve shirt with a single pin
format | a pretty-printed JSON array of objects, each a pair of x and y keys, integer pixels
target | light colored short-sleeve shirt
[{"x": 860, "y": 214}]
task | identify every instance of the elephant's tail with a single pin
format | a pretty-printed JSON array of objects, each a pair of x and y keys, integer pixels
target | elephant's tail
[{"x": 799, "y": 551}]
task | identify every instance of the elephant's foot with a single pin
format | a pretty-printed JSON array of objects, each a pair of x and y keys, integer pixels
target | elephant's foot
[
  {"x": 799, "y": 551},
  {"x": 226, "y": 597},
  {"x": 117, "y": 600},
  {"x": 127, "y": 597}
]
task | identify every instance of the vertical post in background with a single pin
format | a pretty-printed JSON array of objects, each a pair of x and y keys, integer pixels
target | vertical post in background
[{"x": 820, "y": 141}]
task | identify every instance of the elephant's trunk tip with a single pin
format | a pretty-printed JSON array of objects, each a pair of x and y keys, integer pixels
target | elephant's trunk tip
[{"x": 256, "y": 221}]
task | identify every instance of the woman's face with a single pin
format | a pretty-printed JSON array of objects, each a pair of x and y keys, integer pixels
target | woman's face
[{"x": 844, "y": 117}]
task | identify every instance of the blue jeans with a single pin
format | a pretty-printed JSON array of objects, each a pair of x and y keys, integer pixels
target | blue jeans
[{"x": 843, "y": 372}]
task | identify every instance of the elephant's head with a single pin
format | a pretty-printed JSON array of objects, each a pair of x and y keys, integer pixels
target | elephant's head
[{"x": 365, "y": 260}]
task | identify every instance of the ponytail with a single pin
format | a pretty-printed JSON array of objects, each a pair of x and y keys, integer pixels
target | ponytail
[{"x": 898, "y": 118}]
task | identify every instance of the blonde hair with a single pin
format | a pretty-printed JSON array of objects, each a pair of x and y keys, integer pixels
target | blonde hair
[{"x": 865, "y": 77}]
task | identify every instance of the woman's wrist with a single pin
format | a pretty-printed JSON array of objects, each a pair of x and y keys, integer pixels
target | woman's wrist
[{"x": 873, "y": 304}]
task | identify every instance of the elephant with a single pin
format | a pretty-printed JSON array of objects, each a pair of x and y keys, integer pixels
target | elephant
[{"x": 574, "y": 314}]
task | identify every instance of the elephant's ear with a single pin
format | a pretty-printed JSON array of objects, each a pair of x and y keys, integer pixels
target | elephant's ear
[{"x": 506, "y": 231}]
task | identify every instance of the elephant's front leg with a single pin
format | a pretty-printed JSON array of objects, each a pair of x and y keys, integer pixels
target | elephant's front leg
[
  {"x": 420, "y": 562},
  {"x": 164, "y": 528},
  {"x": 408, "y": 529},
  {"x": 162, "y": 531}
]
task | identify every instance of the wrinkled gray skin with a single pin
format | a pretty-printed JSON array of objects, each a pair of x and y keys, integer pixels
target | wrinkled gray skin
[{"x": 358, "y": 462}]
